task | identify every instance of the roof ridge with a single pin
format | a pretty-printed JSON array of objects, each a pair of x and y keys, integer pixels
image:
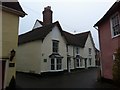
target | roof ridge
[
  {"x": 83, "y": 33},
  {"x": 68, "y": 32},
  {"x": 35, "y": 29}
]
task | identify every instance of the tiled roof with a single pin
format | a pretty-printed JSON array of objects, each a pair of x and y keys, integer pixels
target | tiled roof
[
  {"x": 71, "y": 39},
  {"x": 82, "y": 37},
  {"x": 76, "y": 39},
  {"x": 35, "y": 34},
  {"x": 15, "y": 6},
  {"x": 40, "y": 22},
  {"x": 115, "y": 7},
  {"x": 41, "y": 32}
]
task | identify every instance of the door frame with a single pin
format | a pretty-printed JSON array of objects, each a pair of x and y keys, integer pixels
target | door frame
[{"x": 68, "y": 64}]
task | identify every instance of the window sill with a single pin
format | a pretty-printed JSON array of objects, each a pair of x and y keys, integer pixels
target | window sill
[
  {"x": 80, "y": 67},
  {"x": 116, "y": 36},
  {"x": 90, "y": 54},
  {"x": 56, "y": 70}
]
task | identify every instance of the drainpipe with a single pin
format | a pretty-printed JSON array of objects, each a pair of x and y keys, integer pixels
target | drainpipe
[{"x": 100, "y": 56}]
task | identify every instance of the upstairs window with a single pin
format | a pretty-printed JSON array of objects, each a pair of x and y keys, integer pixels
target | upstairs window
[
  {"x": 90, "y": 51},
  {"x": 66, "y": 47},
  {"x": 77, "y": 50},
  {"x": 55, "y": 46},
  {"x": 115, "y": 24}
]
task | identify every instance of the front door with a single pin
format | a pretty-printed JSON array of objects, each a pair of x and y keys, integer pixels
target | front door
[{"x": 85, "y": 62}]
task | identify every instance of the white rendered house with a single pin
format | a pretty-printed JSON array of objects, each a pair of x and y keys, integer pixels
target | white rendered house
[{"x": 47, "y": 48}]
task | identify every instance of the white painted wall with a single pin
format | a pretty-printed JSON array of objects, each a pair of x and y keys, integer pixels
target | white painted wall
[
  {"x": 89, "y": 44},
  {"x": 37, "y": 24},
  {"x": 72, "y": 53},
  {"x": 83, "y": 52},
  {"x": 28, "y": 57},
  {"x": 47, "y": 49}
]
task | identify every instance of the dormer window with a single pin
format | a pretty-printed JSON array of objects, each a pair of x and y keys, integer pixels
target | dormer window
[{"x": 115, "y": 25}]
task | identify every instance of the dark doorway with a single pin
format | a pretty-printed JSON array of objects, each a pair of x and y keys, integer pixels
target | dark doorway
[
  {"x": 85, "y": 62},
  {"x": 2, "y": 70}
]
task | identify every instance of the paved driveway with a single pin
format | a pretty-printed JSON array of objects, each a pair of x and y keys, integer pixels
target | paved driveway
[{"x": 86, "y": 78}]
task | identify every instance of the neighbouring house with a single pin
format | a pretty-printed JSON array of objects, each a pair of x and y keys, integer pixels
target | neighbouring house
[
  {"x": 97, "y": 57},
  {"x": 109, "y": 36},
  {"x": 9, "y": 21},
  {"x": 47, "y": 48}
]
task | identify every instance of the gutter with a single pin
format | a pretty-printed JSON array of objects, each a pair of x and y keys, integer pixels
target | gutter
[{"x": 21, "y": 14}]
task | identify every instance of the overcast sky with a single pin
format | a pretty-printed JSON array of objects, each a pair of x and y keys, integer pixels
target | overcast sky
[{"x": 74, "y": 16}]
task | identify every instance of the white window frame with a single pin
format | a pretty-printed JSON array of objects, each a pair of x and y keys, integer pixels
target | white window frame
[
  {"x": 57, "y": 48},
  {"x": 80, "y": 63},
  {"x": 114, "y": 56},
  {"x": 112, "y": 32},
  {"x": 55, "y": 65},
  {"x": 90, "y": 51}
]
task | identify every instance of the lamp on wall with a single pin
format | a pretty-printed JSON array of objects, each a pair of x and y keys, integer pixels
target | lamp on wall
[{"x": 12, "y": 54}]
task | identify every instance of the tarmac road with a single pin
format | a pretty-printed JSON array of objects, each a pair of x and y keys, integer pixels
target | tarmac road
[{"x": 86, "y": 78}]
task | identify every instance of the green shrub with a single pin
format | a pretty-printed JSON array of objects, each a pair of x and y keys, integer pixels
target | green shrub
[{"x": 116, "y": 68}]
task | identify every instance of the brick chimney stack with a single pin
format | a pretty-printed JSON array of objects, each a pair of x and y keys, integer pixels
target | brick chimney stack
[{"x": 47, "y": 15}]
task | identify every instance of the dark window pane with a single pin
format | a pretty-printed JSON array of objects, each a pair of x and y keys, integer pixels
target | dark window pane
[
  {"x": 77, "y": 62},
  {"x": 55, "y": 46},
  {"x": 77, "y": 50},
  {"x": 59, "y": 61},
  {"x": 52, "y": 67},
  {"x": 90, "y": 50},
  {"x": 115, "y": 24},
  {"x": 58, "y": 67},
  {"x": 52, "y": 61}
]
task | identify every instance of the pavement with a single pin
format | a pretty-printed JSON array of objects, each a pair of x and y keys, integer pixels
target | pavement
[{"x": 86, "y": 78}]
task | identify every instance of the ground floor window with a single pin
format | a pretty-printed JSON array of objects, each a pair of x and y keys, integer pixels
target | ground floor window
[
  {"x": 59, "y": 63},
  {"x": 79, "y": 62},
  {"x": 52, "y": 64},
  {"x": 56, "y": 64}
]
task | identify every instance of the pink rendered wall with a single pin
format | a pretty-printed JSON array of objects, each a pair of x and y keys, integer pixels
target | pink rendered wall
[{"x": 108, "y": 46}]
